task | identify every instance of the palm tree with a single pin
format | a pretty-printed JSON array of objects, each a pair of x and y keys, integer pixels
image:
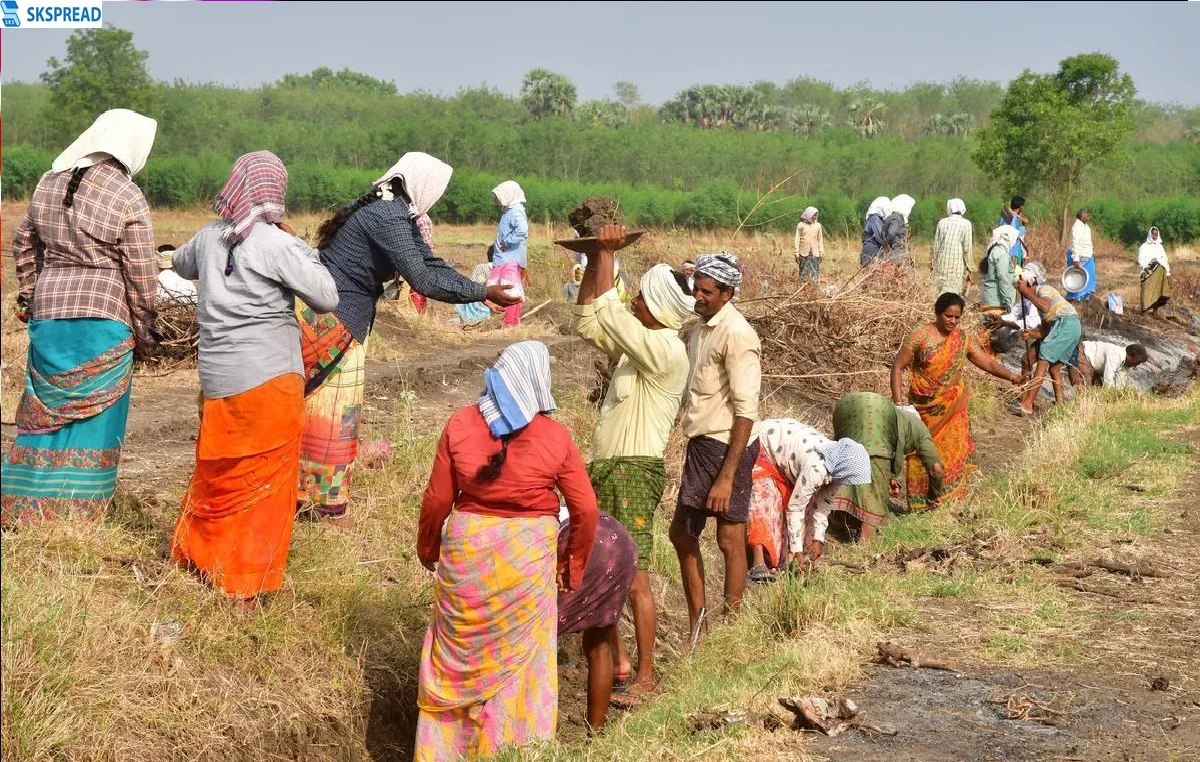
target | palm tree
[
  {"x": 866, "y": 117},
  {"x": 545, "y": 93},
  {"x": 808, "y": 118}
]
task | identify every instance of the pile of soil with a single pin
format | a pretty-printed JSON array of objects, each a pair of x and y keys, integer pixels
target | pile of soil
[{"x": 595, "y": 213}]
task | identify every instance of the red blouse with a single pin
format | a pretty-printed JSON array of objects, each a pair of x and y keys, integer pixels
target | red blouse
[{"x": 542, "y": 457}]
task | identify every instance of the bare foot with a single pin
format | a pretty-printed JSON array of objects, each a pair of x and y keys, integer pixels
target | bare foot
[
  {"x": 343, "y": 522},
  {"x": 246, "y": 607}
]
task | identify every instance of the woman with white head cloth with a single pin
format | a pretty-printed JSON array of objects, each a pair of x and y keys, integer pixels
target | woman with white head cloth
[
  {"x": 429, "y": 180},
  {"x": 511, "y": 258},
  {"x": 87, "y": 268},
  {"x": 873, "y": 229},
  {"x": 810, "y": 244},
  {"x": 895, "y": 229},
  {"x": 1152, "y": 259},
  {"x": 953, "y": 250},
  {"x": 365, "y": 245}
]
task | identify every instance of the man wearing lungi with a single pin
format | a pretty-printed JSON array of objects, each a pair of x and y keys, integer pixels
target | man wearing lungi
[{"x": 721, "y": 406}]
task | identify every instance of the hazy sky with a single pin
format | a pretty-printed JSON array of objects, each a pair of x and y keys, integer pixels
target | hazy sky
[{"x": 661, "y": 47}]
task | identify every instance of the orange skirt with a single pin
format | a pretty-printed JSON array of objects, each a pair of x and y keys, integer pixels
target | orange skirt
[{"x": 236, "y": 522}]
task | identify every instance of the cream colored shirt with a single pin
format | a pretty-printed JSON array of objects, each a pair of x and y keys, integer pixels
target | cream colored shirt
[
  {"x": 810, "y": 240},
  {"x": 1081, "y": 240},
  {"x": 1108, "y": 360},
  {"x": 725, "y": 378},
  {"x": 647, "y": 386}
]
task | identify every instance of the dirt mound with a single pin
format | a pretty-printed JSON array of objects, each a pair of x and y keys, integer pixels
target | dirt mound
[{"x": 595, "y": 213}]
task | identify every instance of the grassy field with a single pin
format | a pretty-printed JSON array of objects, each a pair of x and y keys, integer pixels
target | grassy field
[{"x": 112, "y": 653}]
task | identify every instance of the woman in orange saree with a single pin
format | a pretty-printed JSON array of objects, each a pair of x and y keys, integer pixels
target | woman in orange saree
[{"x": 935, "y": 355}]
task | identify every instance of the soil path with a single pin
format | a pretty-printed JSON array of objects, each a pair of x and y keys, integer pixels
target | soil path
[{"x": 1134, "y": 696}]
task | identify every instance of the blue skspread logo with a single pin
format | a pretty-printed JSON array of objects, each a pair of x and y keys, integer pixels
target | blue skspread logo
[
  {"x": 47, "y": 14},
  {"x": 11, "y": 16}
]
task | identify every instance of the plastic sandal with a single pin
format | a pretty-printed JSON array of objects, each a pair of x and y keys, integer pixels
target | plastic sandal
[{"x": 761, "y": 575}]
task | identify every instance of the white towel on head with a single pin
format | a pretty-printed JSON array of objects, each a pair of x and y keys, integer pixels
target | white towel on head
[
  {"x": 124, "y": 135},
  {"x": 881, "y": 206},
  {"x": 663, "y": 297},
  {"x": 425, "y": 179},
  {"x": 956, "y": 206},
  {"x": 508, "y": 193},
  {"x": 903, "y": 204}
]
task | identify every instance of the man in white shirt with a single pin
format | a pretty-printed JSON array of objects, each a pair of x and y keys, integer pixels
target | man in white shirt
[{"x": 1102, "y": 363}]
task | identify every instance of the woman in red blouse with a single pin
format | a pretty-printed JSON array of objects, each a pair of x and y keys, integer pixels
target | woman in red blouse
[{"x": 488, "y": 528}]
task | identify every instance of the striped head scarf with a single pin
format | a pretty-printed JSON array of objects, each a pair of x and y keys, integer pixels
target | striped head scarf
[
  {"x": 847, "y": 462},
  {"x": 517, "y": 388},
  {"x": 722, "y": 267},
  {"x": 253, "y": 193}
]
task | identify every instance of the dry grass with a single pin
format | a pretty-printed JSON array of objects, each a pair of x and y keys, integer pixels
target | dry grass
[{"x": 328, "y": 670}]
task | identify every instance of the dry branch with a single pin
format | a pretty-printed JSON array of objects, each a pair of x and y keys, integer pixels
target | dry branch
[{"x": 894, "y": 656}]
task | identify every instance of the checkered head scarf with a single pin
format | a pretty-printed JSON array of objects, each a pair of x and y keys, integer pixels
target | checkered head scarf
[
  {"x": 722, "y": 267},
  {"x": 253, "y": 193},
  {"x": 847, "y": 462}
]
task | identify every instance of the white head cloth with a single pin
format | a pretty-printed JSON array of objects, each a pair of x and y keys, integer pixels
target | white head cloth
[
  {"x": 663, "y": 297},
  {"x": 903, "y": 204},
  {"x": 956, "y": 206},
  {"x": 425, "y": 179},
  {"x": 508, "y": 193},
  {"x": 881, "y": 206},
  {"x": 124, "y": 135}
]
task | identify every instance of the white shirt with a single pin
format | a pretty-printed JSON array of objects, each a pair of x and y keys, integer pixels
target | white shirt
[
  {"x": 1109, "y": 360},
  {"x": 794, "y": 449},
  {"x": 1150, "y": 252},
  {"x": 1081, "y": 240},
  {"x": 1032, "y": 318},
  {"x": 172, "y": 288}
]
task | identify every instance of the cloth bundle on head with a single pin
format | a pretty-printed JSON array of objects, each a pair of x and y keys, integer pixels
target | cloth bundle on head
[
  {"x": 517, "y": 388},
  {"x": 809, "y": 214},
  {"x": 253, "y": 193},
  {"x": 1005, "y": 234},
  {"x": 881, "y": 206},
  {"x": 847, "y": 462},
  {"x": 903, "y": 204},
  {"x": 425, "y": 179},
  {"x": 1033, "y": 274},
  {"x": 508, "y": 193},
  {"x": 124, "y": 135},
  {"x": 663, "y": 297},
  {"x": 956, "y": 206},
  {"x": 722, "y": 267}
]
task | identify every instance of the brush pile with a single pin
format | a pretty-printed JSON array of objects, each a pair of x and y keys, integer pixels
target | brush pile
[
  {"x": 179, "y": 337},
  {"x": 818, "y": 345}
]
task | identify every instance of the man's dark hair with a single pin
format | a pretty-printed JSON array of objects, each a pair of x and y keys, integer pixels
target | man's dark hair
[
  {"x": 1135, "y": 354},
  {"x": 1017, "y": 202}
]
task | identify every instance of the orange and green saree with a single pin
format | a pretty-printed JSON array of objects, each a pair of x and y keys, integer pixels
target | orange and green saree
[{"x": 939, "y": 393}]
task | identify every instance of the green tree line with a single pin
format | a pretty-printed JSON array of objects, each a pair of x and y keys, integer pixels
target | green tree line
[
  {"x": 696, "y": 160},
  {"x": 187, "y": 181}
]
